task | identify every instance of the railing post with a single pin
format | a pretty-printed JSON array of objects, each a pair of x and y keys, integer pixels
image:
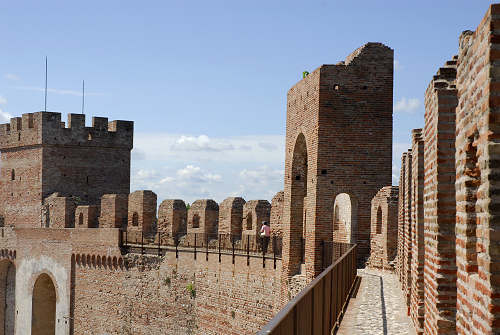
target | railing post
[
  {"x": 232, "y": 243},
  {"x": 176, "y": 241},
  {"x": 206, "y": 246},
  {"x": 126, "y": 237},
  {"x": 274, "y": 251},
  {"x": 194, "y": 245},
  {"x": 142, "y": 242},
  {"x": 218, "y": 238},
  {"x": 159, "y": 243},
  {"x": 248, "y": 250},
  {"x": 263, "y": 253}
]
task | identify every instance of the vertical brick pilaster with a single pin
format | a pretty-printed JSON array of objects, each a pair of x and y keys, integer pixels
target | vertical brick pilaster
[
  {"x": 439, "y": 205},
  {"x": 417, "y": 231}
]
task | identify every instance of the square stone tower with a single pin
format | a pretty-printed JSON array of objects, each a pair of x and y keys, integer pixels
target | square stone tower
[
  {"x": 338, "y": 142},
  {"x": 40, "y": 156}
]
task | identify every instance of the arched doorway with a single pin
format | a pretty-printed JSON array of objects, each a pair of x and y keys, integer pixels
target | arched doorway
[
  {"x": 298, "y": 205},
  {"x": 8, "y": 296},
  {"x": 43, "y": 319},
  {"x": 345, "y": 218}
]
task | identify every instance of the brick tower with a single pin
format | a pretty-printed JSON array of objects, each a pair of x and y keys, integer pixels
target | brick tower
[
  {"x": 338, "y": 142},
  {"x": 41, "y": 156}
]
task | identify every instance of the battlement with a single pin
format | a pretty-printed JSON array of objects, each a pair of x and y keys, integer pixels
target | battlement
[{"x": 46, "y": 128}]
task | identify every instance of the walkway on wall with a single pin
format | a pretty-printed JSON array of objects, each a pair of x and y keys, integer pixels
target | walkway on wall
[{"x": 377, "y": 308}]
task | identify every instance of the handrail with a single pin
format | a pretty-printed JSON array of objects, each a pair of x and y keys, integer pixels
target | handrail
[{"x": 290, "y": 308}]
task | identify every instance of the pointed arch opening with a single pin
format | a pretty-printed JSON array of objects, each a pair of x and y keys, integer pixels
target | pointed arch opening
[
  {"x": 43, "y": 317},
  {"x": 7, "y": 296},
  {"x": 345, "y": 218},
  {"x": 298, "y": 205}
]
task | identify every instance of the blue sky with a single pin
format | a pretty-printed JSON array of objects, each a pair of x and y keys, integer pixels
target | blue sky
[{"x": 206, "y": 81}]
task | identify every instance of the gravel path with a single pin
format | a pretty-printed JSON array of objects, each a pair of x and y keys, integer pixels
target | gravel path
[{"x": 378, "y": 307}]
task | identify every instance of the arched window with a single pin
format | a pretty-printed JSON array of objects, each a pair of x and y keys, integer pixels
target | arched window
[
  {"x": 135, "y": 219},
  {"x": 80, "y": 219},
  {"x": 12, "y": 175},
  {"x": 196, "y": 221},
  {"x": 249, "y": 221},
  {"x": 379, "y": 221}
]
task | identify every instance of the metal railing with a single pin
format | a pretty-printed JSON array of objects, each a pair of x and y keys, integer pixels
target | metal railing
[
  {"x": 250, "y": 246},
  {"x": 318, "y": 308}
]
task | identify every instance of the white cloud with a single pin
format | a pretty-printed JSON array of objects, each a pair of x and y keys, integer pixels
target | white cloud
[
  {"x": 11, "y": 76},
  {"x": 261, "y": 175},
  {"x": 191, "y": 167},
  {"x": 4, "y": 116},
  {"x": 200, "y": 143},
  {"x": 407, "y": 105}
]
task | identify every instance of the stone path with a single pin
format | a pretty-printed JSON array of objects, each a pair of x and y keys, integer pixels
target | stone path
[{"x": 378, "y": 307}]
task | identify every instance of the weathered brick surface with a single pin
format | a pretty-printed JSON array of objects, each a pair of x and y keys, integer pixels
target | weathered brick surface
[
  {"x": 231, "y": 216},
  {"x": 401, "y": 220},
  {"x": 203, "y": 216},
  {"x": 40, "y": 156},
  {"x": 172, "y": 217},
  {"x": 276, "y": 217},
  {"x": 407, "y": 247},
  {"x": 439, "y": 204},
  {"x": 417, "y": 231},
  {"x": 254, "y": 213},
  {"x": 477, "y": 182},
  {"x": 384, "y": 228},
  {"x": 86, "y": 216},
  {"x": 114, "y": 211},
  {"x": 338, "y": 140},
  {"x": 142, "y": 211}
]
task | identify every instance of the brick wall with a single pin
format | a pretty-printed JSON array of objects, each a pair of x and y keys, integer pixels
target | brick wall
[
  {"x": 477, "y": 182},
  {"x": 417, "y": 231},
  {"x": 384, "y": 228},
  {"x": 41, "y": 156},
  {"x": 439, "y": 205},
  {"x": 407, "y": 248},
  {"x": 342, "y": 111}
]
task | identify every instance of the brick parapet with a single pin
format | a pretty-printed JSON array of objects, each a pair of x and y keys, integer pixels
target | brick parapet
[
  {"x": 417, "y": 231},
  {"x": 46, "y": 128},
  {"x": 384, "y": 228},
  {"x": 440, "y": 273},
  {"x": 477, "y": 206}
]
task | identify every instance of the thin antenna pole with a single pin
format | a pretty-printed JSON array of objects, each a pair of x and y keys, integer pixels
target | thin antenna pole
[
  {"x": 83, "y": 97},
  {"x": 45, "y": 109}
]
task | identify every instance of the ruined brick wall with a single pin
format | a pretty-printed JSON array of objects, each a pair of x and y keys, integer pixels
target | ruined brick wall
[
  {"x": 384, "y": 228},
  {"x": 203, "y": 216},
  {"x": 276, "y": 217},
  {"x": 86, "y": 217},
  {"x": 172, "y": 217},
  {"x": 477, "y": 181},
  {"x": 142, "y": 211},
  {"x": 155, "y": 295},
  {"x": 40, "y": 156},
  {"x": 114, "y": 211},
  {"x": 439, "y": 206},
  {"x": 401, "y": 220},
  {"x": 407, "y": 247},
  {"x": 231, "y": 216},
  {"x": 417, "y": 231},
  {"x": 254, "y": 213},
  {"x": 342, "y": 111}
]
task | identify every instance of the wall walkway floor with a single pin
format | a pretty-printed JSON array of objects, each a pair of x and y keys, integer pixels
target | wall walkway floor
[{"x": 377, "y": 307}]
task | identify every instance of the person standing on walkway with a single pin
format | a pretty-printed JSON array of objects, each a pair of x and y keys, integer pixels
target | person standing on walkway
[{"x": 265, "y": 233}]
